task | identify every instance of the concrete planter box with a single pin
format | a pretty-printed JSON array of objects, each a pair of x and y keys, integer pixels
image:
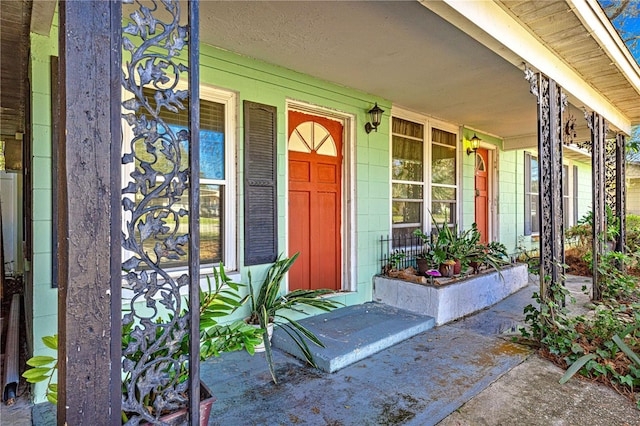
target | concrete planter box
[{"x": 454, "y": 298}]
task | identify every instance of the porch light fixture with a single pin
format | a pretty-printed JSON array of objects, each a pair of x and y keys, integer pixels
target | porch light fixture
[
  {"x": 376, "y": 118},
  {"x": 475, "y": 144}
]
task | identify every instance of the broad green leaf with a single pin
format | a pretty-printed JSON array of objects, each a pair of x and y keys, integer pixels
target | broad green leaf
[
  {"x": 626, "y": 349},
  {"x": 575, "y": 367},
  {"x": 35, "y": 372},
  {"x": 51, "y": 342},
  {"x": 39, "y": 361}
]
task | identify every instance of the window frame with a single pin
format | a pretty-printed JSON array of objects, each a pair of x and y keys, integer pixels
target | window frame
[
  {"x": 433, "y": 124},
  {"x": 229, "y": 252},
  {"x": 528, "y": 193},
  {"x": 428, "y": 124}
]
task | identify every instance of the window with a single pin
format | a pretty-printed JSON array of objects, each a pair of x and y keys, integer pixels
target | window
[
  {"x": 217, "y": 175},
  {"x": 531, "y": 199},
  {"x": 443, "y": 176},
  {"x": 407, "y": 180},
  {"x": 424, "y": 176}
]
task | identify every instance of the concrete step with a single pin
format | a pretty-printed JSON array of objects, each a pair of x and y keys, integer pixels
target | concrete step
[{"x": 355, "y": 332}]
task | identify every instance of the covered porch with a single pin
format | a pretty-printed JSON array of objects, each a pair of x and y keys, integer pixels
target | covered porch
[{"x": 457, "y": 66}]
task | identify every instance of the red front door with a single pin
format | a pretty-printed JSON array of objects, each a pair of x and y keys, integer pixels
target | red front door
[
  {"x": 481, "y": 194},
  {"x": 315, "y": 165}
]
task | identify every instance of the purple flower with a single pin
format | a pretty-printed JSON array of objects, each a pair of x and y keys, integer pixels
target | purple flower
[{"x": 433, "y": 273}]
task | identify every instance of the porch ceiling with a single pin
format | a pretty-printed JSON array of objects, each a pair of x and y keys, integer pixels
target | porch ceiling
[
  {"x": 14, "y": 38},
  {"x": 401, "y": 51}
]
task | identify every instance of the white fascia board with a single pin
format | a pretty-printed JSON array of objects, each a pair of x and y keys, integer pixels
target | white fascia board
[{"x": 489, "y": 24}]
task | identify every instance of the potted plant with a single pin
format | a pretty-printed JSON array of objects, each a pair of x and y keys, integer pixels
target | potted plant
[
  {"x": 269, "y": 307},
  {"x": 425, "y": 259},
  {"x": 215, "y": 338},
  {"x": 447, "y": 268}
]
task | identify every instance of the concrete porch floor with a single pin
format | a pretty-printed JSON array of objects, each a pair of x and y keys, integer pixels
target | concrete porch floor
[
  {"x": 463, "y": 373},
  {"x": 418, "y": 381}
]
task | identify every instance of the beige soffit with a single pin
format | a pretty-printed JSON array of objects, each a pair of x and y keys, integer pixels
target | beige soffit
[{"x": 581, "y": 35}]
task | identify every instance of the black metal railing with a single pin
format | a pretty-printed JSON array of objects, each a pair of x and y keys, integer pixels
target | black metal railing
[{"x": 399, "y": 252}]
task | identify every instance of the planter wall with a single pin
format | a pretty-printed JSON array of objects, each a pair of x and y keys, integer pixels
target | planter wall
[{"x": 449, "y": 301}]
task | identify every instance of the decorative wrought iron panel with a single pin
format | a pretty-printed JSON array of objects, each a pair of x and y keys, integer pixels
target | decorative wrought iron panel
[
  {"x": 551, "y": 104},
  {"x": 621, "y": 196},
  {"x": 610, "y": 172},
  {"x": 160, "y": 374},
  {"x": 598, "y": 127}
]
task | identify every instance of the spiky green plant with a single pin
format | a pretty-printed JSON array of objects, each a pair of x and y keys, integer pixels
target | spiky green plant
[{"x": 268, "y": 306}]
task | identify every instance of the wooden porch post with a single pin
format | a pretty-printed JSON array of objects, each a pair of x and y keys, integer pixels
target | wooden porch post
[
  {"x": 621, "y": 193},
  {"x": 89, "y": 259},
  {"x": 598, "y": 127},
  {"x": 551, "y": 104}
]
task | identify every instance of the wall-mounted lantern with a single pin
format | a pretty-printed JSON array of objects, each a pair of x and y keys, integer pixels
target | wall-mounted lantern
[
  {"x": 474, "y": 144},
  {"x": 376, "y": 118}
]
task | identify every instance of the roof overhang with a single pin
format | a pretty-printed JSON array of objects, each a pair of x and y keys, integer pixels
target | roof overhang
[
  {"x": 459, "y": 61},
  {"x": 571, "y": 41}
]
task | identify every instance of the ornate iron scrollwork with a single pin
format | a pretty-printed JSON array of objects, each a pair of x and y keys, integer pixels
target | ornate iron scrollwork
[
  {"x": 598, "y": 127},
  {"x": 551, "y": 104},
  {"x": 157, "y": 323},
  {"x": 608, "y": 160},
  {"x": 570, "y": 132},
  {"x": 621, "y": 196}
]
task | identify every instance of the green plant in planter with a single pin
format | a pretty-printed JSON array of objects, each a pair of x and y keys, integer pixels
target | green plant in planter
[
  {"x": 220, "y": 300},
  {"x": 457, "y": 246},
  {"x": 426, "y": 259},
  {"x": 268, "y": 306}
]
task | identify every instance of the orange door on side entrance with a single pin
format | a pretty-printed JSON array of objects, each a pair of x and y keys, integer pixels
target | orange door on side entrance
[
  {"x": 315, "y": 181},
  {"x": 481, "y": 194}
]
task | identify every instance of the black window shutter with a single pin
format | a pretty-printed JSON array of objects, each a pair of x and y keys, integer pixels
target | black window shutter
[
  {"x": 260, "y": 184},
  {"x": 527, "y": 193}
]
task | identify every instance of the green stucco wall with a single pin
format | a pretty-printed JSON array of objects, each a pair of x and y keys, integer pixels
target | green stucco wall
[
  {"x": 44, "y": 299},
  {"x": 260, "y": 82},
  {"x": 509, "y": 195},
  {"x": 257, "y": 82},
  {"x": 272, "y": 85}
]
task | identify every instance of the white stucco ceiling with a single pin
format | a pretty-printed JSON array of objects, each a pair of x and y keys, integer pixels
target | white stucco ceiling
[{"x": 398, "y": 50}]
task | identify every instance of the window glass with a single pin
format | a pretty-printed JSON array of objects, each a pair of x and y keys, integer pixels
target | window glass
[
  {"x": 403, "y": 190},
  {"x": 212, "y": 179},
  {"x": 408, "y": 128},
  {"x": 535, "y": 221},
  {"x": 443, "y": 137},
  {"x": 407, "y": 212},
  {"x": 443, "y": 176},
  {"x": 443, "y": 212},
  {"x": 533, "y": 195},
  {"x": 407, "y": 159},
  {"x": 480, "y": 165},
  {"x": 409, "y": 189},
  {"x": 407, "y": 165},
  {"x": 443, "y": 165}
]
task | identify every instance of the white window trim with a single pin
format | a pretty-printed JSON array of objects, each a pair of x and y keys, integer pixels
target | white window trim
[
  {"x": 429, "y": 123},
  {"x": 230, "y": 254},
  {"x": 349, "y": 214},
  {"x": 570, "y": 194}
]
